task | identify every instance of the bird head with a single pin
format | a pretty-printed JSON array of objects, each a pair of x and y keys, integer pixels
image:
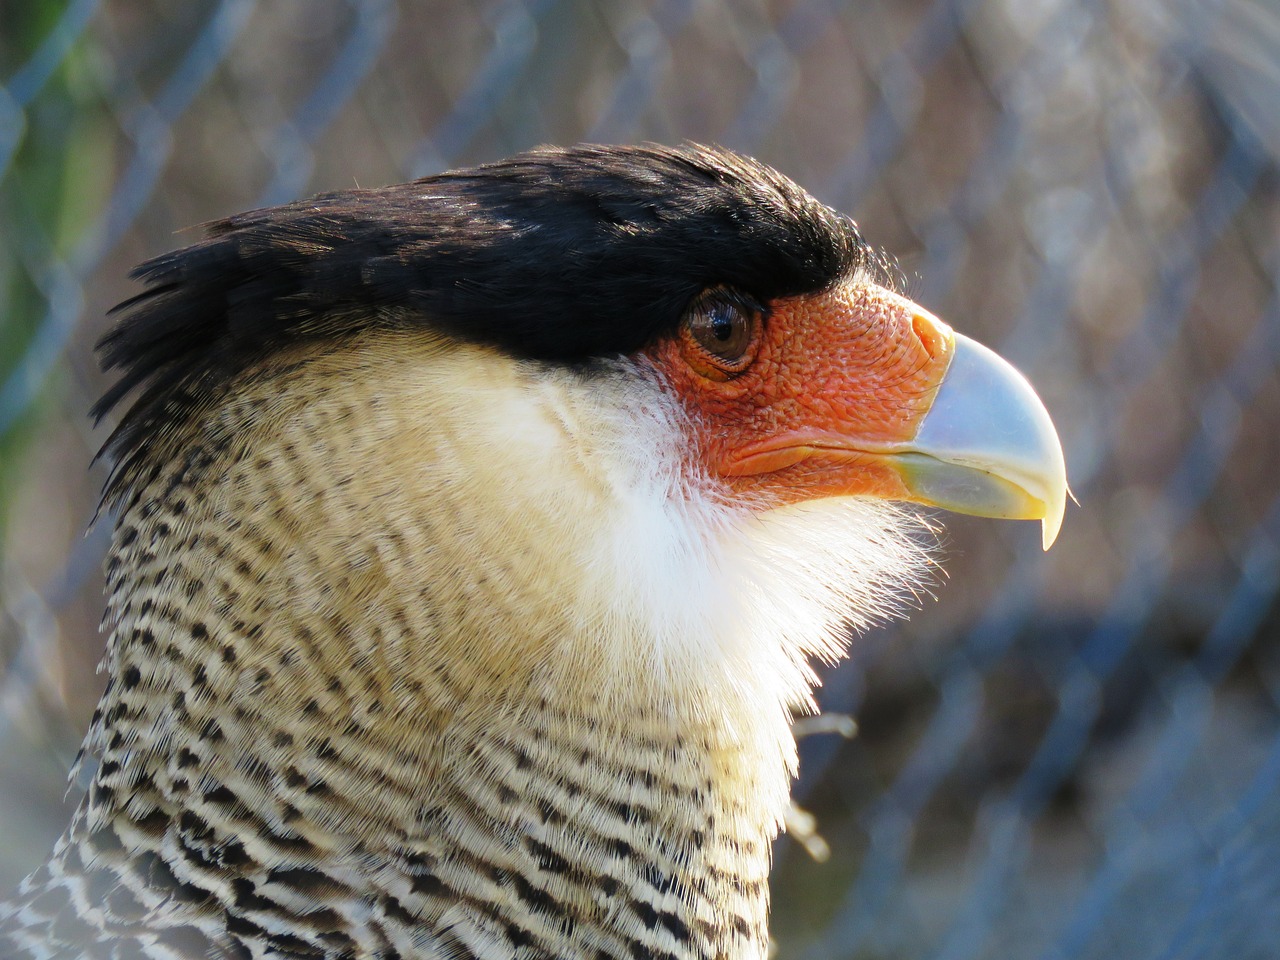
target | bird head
[{"x": 664, "y": 393}]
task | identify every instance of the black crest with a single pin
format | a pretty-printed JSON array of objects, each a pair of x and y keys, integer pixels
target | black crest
[{"x": 555, "y": 254}]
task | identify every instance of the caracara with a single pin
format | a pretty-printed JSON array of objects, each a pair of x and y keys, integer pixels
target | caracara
[{"x": 473, "y": 541}]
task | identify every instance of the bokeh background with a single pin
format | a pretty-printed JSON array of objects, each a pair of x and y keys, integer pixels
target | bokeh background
[{"x": 1071, "y": 755}]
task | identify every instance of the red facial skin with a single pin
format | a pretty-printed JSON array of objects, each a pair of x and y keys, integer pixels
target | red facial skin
[{"x": 837, "y": 380}]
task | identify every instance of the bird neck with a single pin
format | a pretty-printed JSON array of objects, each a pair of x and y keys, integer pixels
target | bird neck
[
  {"x": 464, "y": 812},
  {"x": 488, "y": 674}
]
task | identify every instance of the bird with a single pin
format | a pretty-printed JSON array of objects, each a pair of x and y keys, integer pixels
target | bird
[{"x": 476, "y": 541}]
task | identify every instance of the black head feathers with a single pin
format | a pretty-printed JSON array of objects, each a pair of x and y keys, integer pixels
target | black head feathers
[{"x": 555, "y": 254}]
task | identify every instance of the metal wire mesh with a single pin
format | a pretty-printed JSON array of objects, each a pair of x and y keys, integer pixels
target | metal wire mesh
[{"x": 1069, "y": 756}]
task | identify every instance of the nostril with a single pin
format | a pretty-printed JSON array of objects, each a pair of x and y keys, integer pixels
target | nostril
[{"x": 934, "y": 335}]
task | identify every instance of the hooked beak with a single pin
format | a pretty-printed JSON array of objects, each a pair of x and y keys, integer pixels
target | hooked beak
[{"x": 986, "y": 446}]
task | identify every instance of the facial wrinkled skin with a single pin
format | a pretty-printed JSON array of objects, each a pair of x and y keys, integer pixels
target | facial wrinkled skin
[{"x": 837, "y": 378}]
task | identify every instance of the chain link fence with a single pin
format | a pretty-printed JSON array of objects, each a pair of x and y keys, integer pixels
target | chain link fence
[{"x": 1069, "y": 756}]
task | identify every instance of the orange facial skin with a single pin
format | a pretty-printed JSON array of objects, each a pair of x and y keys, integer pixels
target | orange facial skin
[{"x": 836, "y": 381}]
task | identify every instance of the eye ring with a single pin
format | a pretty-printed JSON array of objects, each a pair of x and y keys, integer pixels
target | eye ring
[{"x": 720, "y": 333}]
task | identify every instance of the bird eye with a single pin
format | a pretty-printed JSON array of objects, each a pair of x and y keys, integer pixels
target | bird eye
[{"x": 721, "y": 332}]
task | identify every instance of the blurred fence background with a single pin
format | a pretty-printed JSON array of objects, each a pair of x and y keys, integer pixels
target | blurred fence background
[{"x": 1072, "y": 755}]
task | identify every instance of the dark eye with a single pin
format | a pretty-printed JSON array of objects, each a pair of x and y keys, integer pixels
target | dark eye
[{"x": 723, "y": 329}]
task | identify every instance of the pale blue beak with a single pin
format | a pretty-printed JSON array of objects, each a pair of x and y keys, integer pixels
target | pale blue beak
[{"x": 987, "y": 445}]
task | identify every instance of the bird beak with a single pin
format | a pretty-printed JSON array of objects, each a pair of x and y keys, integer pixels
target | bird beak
[{"x": 986, "y": 445}]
